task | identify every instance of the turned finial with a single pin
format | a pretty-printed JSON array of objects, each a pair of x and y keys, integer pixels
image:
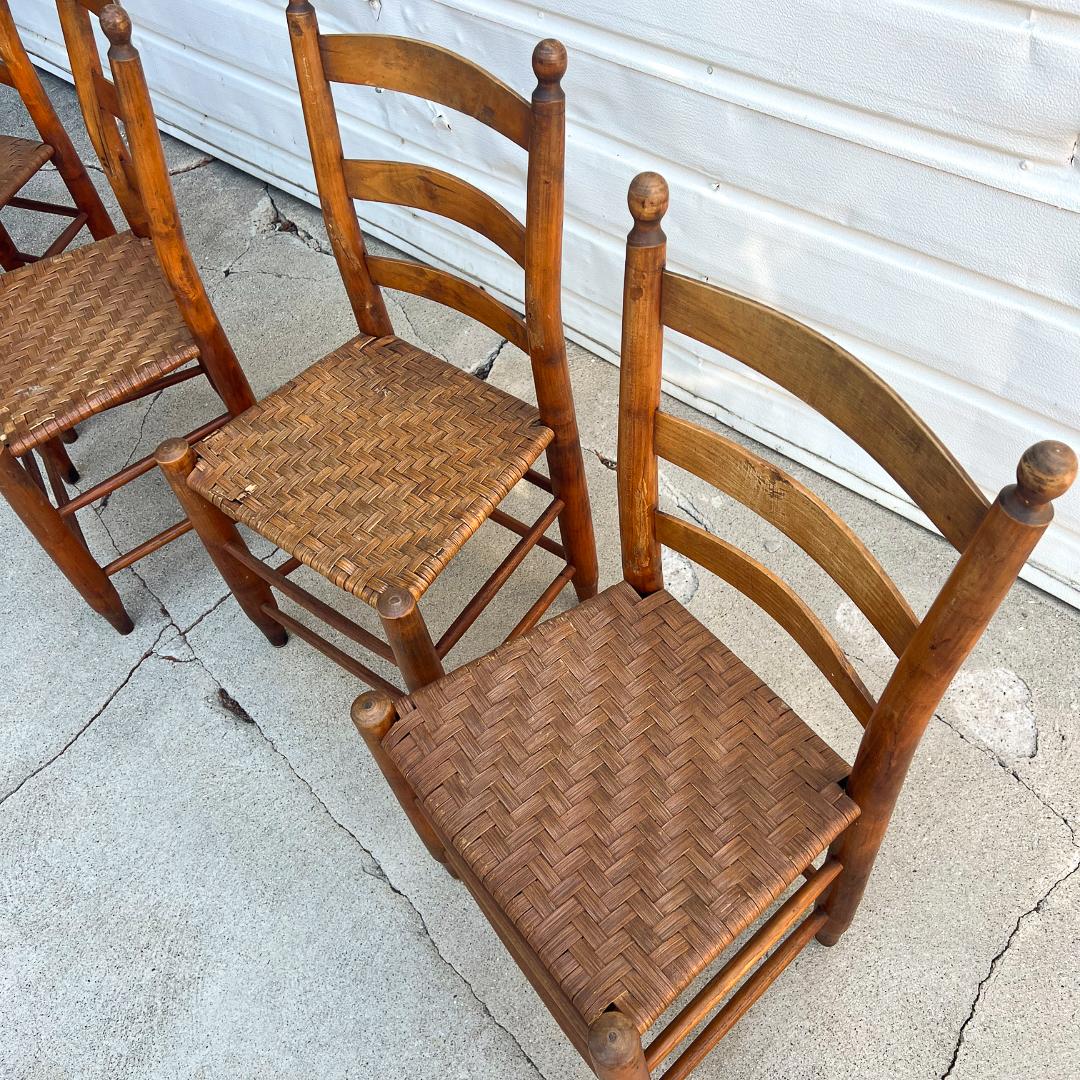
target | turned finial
[
  {"x": 1046, "y": 471},
  {"x": 549, "y": 61},
  {"x": 116, "y": 24},
  {"x": 373, "y": 713},
  {"x": 648, "y": 198}
]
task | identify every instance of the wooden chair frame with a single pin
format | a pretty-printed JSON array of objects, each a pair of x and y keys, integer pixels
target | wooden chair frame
[
  {"x": 137, "y": 172},
  {"x": 17, "y": 71},
  {"x": 418, "y": 68},
  {"x": 994, "y": 541}
]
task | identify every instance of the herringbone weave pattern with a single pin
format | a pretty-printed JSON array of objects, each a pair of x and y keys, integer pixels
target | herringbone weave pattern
[
  {"x": 626, "y": 789},
  {"x": 373, "y": 466},
  {"x": 79, "y": 332},
  {"x": 19, "y": 160}
]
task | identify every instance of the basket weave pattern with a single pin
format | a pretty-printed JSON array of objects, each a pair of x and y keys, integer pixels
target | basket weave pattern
[
  {"x": 627, "y": 790},
  {"x": 79, "y": 332},
  {"x": 373, "y": 466},
  {"x": 19, "y": 160}
]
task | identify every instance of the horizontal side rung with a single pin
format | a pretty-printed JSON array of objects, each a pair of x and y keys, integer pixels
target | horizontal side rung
[
  {"x": 135, "y": 470},
  {"x": 745, "y": 996},
  {"x": 148, "y": 546},
  {"x": 717, "y": 988},
  {"x": 500, "y": 517},
  {"x": 547, "y": 598},
  {"x": 71, "y": 230},
  {"x": 471, "y": 611},
  {"x": 540, "y": 480},
  {"x": 43, "y": 207},
  {"x": 172, "y": 379},
  {"x": 312, "y": 604},
  {"x": 342, "y": 659}
]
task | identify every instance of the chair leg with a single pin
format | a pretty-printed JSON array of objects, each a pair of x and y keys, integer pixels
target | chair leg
[
  {"x": 69, "y": 436},
  {"x": 176, "y": 460},
  {"x": 408, "y": 635},
  {"x": 615, "y": 1048},
  {"x": 575, "y": 521},
  {"x": 9, "y": 253},
  {"x": 374, "y": 714},
  {"x": 50, "y": 530},
  {"x": 55, "y": 451}
]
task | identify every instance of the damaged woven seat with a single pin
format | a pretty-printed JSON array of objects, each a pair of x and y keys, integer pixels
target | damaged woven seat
[
  {"x": 626, "y": 790},
  {"x": 620, "y": 793},
  {"x": 373, "y": 466}
]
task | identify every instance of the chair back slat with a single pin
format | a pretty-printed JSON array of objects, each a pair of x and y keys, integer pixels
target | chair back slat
[
  {"x": 839, "y": 387},
  {"x": 101, "y": 109},
  {"x": 797, "y": 512},
  {"x": 777, "y": 599},
  {"x": 437, "y": 192},
  {"x": 452, "y": 291},
  {"x": 427, "y": 71}
]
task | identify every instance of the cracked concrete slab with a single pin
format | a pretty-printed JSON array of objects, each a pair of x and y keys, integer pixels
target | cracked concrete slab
[{"x": 209, "y": 876}]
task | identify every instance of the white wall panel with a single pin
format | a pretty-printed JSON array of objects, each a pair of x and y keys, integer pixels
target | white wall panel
[{"x": 903, "y": 175}]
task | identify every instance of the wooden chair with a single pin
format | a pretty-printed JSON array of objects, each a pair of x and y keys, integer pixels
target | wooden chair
[
  {"x": 105, "y": 324},
  {"x": 622, "y": 795},
  {"x": 20, "y": 159},
  {"x": 379, "y": 462}
]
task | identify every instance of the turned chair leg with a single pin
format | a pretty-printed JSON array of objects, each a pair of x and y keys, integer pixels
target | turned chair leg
[
  {"x": 9, "y": 253},
  {"x": 409, "y": 639},
  {"x": 176, "y": 460},
  {"x": 615, "y": 1048},
  {"x": 374, "y": 714},
  {"x": 575, "y": 521},
  {"x": 54, "y": 451},
  {"x": 26, "y": 497}
]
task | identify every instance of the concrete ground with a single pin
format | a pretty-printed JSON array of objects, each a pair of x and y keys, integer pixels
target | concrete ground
[{"x": 203, "y": 874}]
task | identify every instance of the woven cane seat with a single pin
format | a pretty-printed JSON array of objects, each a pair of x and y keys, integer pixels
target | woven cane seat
[
  {"x": 79, "y": 332},
  {"x": 373, "y": 466},
  {"x": 19, "y": 160},
  {"x": 627, "y": 791}
]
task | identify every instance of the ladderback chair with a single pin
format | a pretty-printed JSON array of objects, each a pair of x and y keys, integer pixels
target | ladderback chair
[
  {"x": 621, "y": 794},
  {"x": 376, "y": 464},
  {"x": 104, "y": 324},
  {"x": 21, "y": 159}
]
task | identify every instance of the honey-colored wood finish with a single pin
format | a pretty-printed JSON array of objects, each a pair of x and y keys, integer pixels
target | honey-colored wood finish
[
  {"x": 432, "y": 451},
  {"x": 18, "y": 72},
  {"x": 107, "y": 323},
  {"x": 590, "y": 728}
]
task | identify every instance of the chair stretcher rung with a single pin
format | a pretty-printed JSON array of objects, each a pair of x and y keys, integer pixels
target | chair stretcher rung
[
  {"x": 312, "y": 604},
  {"x": 706, "y": 999},
  {"x": 342, "y": 659},
  {"x": 500, "y": 517},
  {"x": 490, "y": 588},
  {"x": 148, "y": 547},
  {"x": 547, "y": 598}
]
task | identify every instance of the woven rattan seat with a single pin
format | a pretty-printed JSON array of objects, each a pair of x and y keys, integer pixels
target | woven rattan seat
[
  {"x": 19, "y": 160},
  {"x": 628, "y": 792},
  {"x": 79, "y": 332},
  {"x": 373, "y": 466}
]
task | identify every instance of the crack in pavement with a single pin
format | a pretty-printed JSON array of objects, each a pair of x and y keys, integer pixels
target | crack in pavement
[
  {"x": 483, "y": 369},
  {"x": 995, "y": 963},
  {"x": 281, "y": 222}
]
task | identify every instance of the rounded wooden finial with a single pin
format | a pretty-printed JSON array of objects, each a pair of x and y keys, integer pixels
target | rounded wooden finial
[
  {"x": 394, "y": 603},
  {"x": 549, "y": 60},
  {"x": 373, "y": 713},
  {"x": 648, "y": 198},
  {"x": 171, "y": 451},
  {"x": 1046, "y": 471},
  {"x": 116, "y": 24},
  {"x": 614, "y": 1042}
]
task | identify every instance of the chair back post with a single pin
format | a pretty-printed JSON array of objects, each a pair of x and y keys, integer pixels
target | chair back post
[
  {"x": 163, "y": 219},
  {"x": 956, "y": 620},
  {"x": 25, "y": 80},
  {"x": 639, "y": 383},
  {"x": 99, "y": 114},
  {"x": 324, "y": 138},
  {"x": 543, "y": 309}
]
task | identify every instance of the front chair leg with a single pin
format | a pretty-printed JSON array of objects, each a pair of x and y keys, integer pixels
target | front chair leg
[
  {"x": 374, "y": 714},
  {"x": 176, "y": 460},
  {"x": 28, "y": 500},
  {"x": 615, "y": 1048},
  {"x": 409, "y": 639}
]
